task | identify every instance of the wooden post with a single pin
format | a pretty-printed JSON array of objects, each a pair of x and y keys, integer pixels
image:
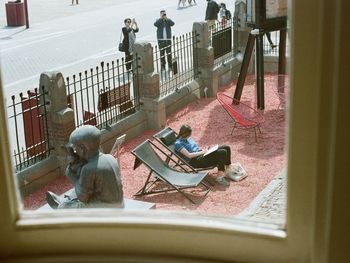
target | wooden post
[
  {"x": 244, "y": 68},
  {"x": 260, "y": 72},
  {"x": 282, "y": 60}
]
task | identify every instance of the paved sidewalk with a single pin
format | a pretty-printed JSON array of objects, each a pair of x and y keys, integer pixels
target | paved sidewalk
[
  {"x": 270, "y": 205},
  {"x": 73, "y": 38},
  {"x": 45, "y": 10}
]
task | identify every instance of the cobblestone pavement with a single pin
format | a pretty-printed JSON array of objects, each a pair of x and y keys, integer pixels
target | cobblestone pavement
[{"x": 270, "y": 205}]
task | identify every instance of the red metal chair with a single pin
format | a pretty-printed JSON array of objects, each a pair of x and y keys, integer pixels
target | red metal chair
[{"x": 244, "y": 116}]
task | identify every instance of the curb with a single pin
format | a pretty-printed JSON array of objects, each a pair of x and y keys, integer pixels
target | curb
[{"x": 275, "y": 189}]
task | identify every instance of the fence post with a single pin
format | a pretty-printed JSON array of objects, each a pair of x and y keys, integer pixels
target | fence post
[
  {"x": 60, "y": 118},
  {"x": 149, "y": 88},
  {"x": 203, "y": 53}
]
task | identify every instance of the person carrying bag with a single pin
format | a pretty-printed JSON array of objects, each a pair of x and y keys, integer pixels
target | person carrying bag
[
  {"x": 127, "y": 46},
  {"x": 121, "y": 47}
]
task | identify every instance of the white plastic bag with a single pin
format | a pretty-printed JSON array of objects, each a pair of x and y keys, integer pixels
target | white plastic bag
[
  {"x": 238, "y": 169},
  {"x": 236, "y": 172}
]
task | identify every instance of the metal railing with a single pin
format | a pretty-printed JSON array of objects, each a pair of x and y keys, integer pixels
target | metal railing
[
  {"x": 223, "y": 37},
  {"x": 176, "y": 63},
  {"x": 104, "y": 95},
  {"x": 28, "y": 128}
]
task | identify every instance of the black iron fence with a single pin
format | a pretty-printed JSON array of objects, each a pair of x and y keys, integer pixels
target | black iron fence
[
  {"x": 223, "y": 38},
  {"x": 109, "y": 92},
  {"x": 104, "y": 95},
  {"x": 28, "y": 129},
  {"x": 175, "y": 63}
]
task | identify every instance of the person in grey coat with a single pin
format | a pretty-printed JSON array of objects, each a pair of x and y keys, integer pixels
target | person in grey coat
[
  {"x": 96, "y": 176},
  {"x": 164, "y": 36}
]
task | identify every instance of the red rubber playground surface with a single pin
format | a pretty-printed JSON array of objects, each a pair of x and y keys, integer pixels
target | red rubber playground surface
[{"x": 211, "y": 125}]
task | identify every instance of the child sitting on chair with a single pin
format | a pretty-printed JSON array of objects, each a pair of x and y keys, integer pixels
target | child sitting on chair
[{"x": 195, "y": 156}]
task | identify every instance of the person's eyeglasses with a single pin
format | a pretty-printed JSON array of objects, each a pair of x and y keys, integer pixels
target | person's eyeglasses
[{"x": 128, "y": 22}]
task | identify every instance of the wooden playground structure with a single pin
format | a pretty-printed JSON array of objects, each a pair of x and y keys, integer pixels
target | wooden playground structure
[{"x": 263, "y": 16}]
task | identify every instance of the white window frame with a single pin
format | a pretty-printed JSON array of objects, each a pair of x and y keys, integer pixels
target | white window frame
[{"x": 165, "y": 235}]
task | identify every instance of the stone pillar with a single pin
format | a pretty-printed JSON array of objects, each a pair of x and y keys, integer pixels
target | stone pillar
[
  {"x": 242, "y": 31},
  {"x": 241, "y": 26},
  {"x": 204, "y": 54},
  {"x": 149, "y": 88},
  {"x": 60, "y": 118}
]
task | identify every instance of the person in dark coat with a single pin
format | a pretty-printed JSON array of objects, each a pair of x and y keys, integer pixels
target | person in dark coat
[
  {"x": 211, "y": 13},
  {"x": 129, "y": 39},
  {"x": 164, "y": 25}
]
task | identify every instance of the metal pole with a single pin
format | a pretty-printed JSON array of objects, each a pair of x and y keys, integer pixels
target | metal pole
[{"x": 26, "y": 13}]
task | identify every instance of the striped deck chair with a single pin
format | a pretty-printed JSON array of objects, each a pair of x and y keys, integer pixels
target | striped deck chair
[
  {"x": 167, "y": 137},
  {"x": 147, "y": 153}
]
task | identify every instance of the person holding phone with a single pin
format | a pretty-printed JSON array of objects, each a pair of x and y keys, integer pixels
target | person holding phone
[
  {"x": 129, "y": 39},
  {"x": 163, "y": 25}
]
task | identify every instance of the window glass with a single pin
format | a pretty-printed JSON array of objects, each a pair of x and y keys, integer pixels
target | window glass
[
  {"x": 214, "y": 235},
  {"x": 96, "y": 85}
]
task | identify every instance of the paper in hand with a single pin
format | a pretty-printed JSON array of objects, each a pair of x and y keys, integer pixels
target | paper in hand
[{"x": 212, "y": 149}]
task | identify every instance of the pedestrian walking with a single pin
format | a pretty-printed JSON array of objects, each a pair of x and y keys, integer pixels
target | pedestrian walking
[
  {"x": 129, "y": 39},
  {"x": 183, "y": 3},
  {"x": 211, "y": 13},
  {"x": 268, "y": 35},
  {"x": 164, "y": 25},
  {"x": 76, "y": 1}
]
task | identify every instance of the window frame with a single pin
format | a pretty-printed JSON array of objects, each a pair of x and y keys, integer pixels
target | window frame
[{"x": 176, "y": 235}]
